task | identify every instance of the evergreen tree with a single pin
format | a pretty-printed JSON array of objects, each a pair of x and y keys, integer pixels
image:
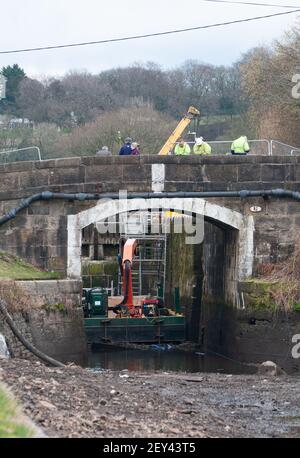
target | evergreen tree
[{"x": 14, "y": 75}]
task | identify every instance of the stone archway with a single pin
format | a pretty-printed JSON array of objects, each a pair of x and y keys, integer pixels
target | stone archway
[{"x": 243, "y": 225}]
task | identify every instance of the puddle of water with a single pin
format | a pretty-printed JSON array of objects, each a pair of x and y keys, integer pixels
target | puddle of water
[{"x": 169, "y": 361}]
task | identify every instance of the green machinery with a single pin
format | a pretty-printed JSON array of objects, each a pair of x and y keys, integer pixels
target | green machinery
[
  {"x": 155, "y": 327},
  {"x": 95, "y": 302}
]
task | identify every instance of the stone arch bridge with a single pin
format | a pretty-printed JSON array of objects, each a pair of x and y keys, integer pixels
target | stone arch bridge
[{"x": 48, "y": 233}]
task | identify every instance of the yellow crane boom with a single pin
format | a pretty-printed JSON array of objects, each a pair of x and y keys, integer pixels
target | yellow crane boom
[{"x": 168, "y": 146}]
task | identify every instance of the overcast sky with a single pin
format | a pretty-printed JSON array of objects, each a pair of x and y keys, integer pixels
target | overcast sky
[{"x": 31, "y": 23}]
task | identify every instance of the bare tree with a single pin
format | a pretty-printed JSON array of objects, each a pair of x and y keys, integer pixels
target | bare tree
[{"x": 145, "y": 125}]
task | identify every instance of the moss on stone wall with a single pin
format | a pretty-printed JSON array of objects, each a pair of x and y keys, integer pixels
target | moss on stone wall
[
  {"x": 111, "y": 268},
  {"x": 184, "y": 270},
  {"x": 260, "y": 294},
  {"x": 93, "y": 268},
  {"x": 257, "y": 294},
  {"x": 100, "y": 273},
  {"x": 296, "y": 307},
  {"x": 54, "y": 307},
  {"x": 180, "y": 266}
]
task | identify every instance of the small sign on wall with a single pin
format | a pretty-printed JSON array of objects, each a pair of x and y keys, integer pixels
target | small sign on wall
[{"x": 255, "y": 209}]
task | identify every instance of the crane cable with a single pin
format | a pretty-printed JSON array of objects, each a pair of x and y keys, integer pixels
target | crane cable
[
  {"x": 251, "y": 3},
  {"x": 148, "y": 35}
]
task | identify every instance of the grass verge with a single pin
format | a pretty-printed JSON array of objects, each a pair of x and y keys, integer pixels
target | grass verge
[
  {"x": 12, "y": 422},
  {"x": 15, "y": 268}
]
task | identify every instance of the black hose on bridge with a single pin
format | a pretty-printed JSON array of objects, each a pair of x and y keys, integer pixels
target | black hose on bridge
[
  {"x": 27, "y": 345},
  {"x": 48, "y": 195}
]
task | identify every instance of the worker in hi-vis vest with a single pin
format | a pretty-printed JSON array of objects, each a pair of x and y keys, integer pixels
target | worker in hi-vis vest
[
  {"x": 240, "y": 146},
  {"x": 182, "y": 148},
  {"x": 201, "y": 147}
]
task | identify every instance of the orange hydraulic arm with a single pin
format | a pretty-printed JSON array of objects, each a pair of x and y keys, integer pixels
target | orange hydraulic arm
[
  {"x": 169, "y": 145},
  {"x": 128, "y": 254},
  {"x": 126, "y": 307}
]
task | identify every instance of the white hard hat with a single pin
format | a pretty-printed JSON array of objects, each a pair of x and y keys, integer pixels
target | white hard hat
[{"x": 199, "y": 140}]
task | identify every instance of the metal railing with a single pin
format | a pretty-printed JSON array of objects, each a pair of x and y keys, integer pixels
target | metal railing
[
  {"x": 261, "y": 147},
  {"x": 223, "y": 147},
  {"x": 17, "y": 158},
  {"x": 257, "y": 147},
  {"x": 283, "y": 149}
]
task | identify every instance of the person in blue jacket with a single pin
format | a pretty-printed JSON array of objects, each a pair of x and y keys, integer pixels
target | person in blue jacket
[{"x": 126, "y": 148}]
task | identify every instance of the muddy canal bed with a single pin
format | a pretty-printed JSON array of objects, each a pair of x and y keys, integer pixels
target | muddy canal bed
[{"x": 76, "y": 402}]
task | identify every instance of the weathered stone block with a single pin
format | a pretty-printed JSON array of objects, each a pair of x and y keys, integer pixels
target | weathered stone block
[
  {"x": 99, "y": 173},
  {"x": 271, "y": 173},
  {"x": 126, "y": 160},
  {"x": 68, "y": 162},
  {"x": 223, "y": 173},
  {"x": 48, "y": 164},
  {"x": 67, "y": 175},
  {"x": 33, "y": 179},
  {"x": 9, "y": 182},
  {"x": 56, "y": 264},
  {"x": 296, "y": 170},
  {"x": 96, "y": 188},
  {"x": 138, "y": 173},
  {"x": 38, "y": 209},
  {"x": 19, "y": 166},
  {"x": 249, "y": 172},
  {"x": 131, "y": 186},
  {"x": 184, "y": 172}
]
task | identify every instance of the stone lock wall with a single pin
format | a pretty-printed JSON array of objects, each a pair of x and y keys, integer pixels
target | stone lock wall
[
  {"x": 52, "y": 322},
  {"x": 39, "y": 234},
  {"x": 256, "y": 332},
  {"x": 261, "y": 335}
]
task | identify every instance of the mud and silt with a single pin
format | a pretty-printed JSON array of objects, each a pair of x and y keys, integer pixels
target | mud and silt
[{"x": 76, "y": 402}]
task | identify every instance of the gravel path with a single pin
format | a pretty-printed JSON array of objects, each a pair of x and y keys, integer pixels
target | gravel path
[{"x": 75, "y": 402}]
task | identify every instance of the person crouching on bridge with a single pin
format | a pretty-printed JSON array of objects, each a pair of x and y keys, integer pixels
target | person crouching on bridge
[
  {"x": 240, "y": 146},
  {"x": 182, "y": 148},
  {"x": 104, "y": 151},
  {"x": 201, "y": 147}
]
